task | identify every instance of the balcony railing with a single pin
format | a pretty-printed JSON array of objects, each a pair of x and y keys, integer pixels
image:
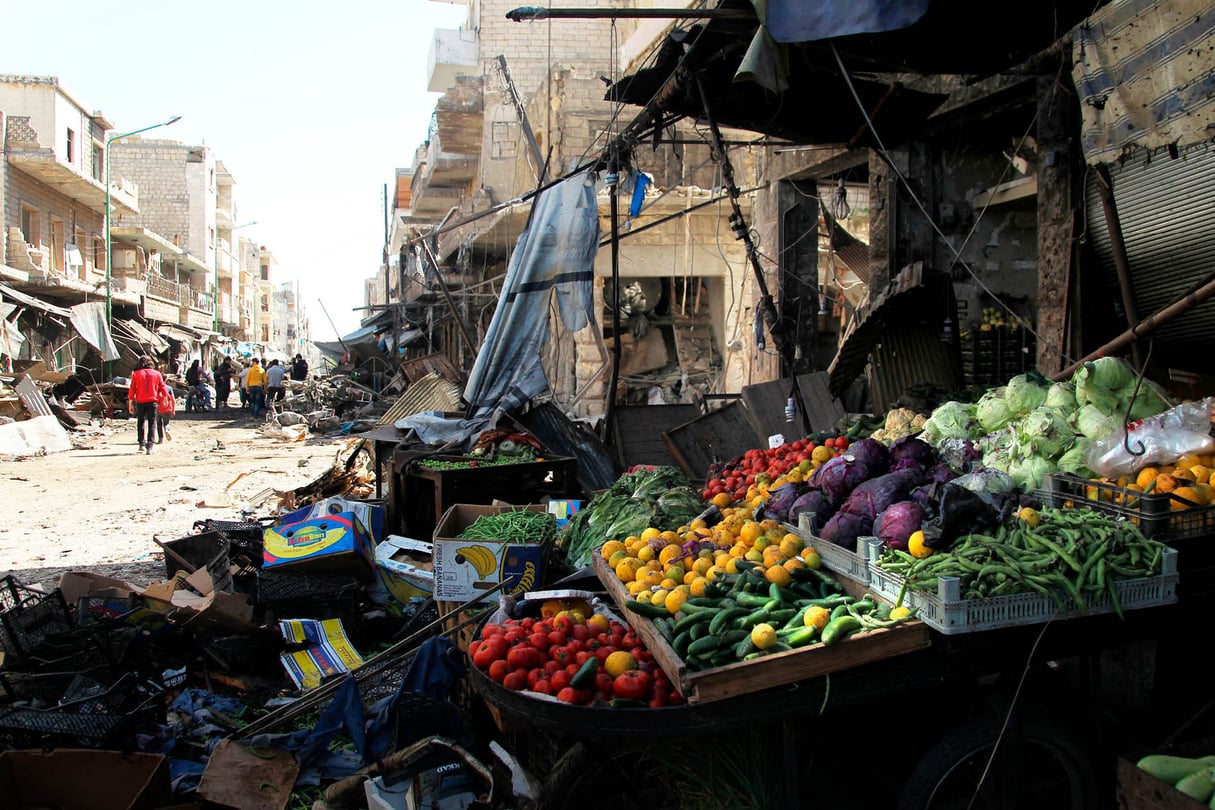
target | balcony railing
[{"x": 161, "y": 287}]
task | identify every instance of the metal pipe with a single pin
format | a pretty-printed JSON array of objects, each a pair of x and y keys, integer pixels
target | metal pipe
[
  {"x": 532, "y": 13},
  {"x": 451, "y": 304},
  {"x": 1105, "y": 187},
  {"x": 1190, "y": 300},
  {"x": 613, "y": 179}
]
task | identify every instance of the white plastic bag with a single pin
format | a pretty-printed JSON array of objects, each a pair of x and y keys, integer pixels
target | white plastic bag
[{"x": 1159, "y": 439}]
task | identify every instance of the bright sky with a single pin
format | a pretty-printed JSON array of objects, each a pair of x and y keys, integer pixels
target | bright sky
[{"x": 310, "y": 105}]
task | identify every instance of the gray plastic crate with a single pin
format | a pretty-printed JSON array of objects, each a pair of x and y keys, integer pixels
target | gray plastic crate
[
  {"x": 851, "y": 564},
  {"x": 947, "y": 612}
]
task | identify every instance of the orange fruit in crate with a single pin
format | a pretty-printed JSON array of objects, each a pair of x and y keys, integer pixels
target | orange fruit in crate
[
  {"x": 1188, "y": 460},
  {"x": 810, "y": 556},
  {"x": 750, "y": 532},
  {"x": 669, "y": 552},
  {"x": 722, "y": 499},
  {"x": 1184, "y": 498},
  {"x": 598, "y": 623},
  {"x": 1183, "y": 473},
  {"x": 1165, "y": 483},
  {"x": 610, "y": 548},
  {"x": 1145, "y": 477},
  {"x": 627, "y": 569},
  {"x": 791, "y": 544},
  {"x": 1202, "y": 473}
]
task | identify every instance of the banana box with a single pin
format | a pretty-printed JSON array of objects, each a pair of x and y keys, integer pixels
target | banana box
[
  {"x": 463, "y": 568},
  {"x": 406, "y": 570},
  {"x": 335, "y": 542}
]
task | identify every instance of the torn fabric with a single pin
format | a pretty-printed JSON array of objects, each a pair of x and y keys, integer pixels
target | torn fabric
[
  {"x": 554, "y": 256},
  {"x": 90, "y": 321}
]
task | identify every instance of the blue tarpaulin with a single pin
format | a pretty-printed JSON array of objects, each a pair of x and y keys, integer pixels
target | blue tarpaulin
[
  {"x": 554, "y": 256},
  {"x": 810, "y": 20}
]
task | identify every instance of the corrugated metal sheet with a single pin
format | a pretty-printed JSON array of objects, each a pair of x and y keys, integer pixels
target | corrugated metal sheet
[
  {"x": 1167, "y": 210},
  {"x": 905, "y": 321},
  {"x": 433, "y": 392}
]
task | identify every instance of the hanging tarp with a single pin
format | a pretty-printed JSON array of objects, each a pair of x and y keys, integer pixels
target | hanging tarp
[
  {"x": 143, "y": 334},
  {"x": 89, "y": 319},
  {"x": 11, "y": 339},
  {"x": 31, "y": 301},
  {"x": 554, "y": 255},
  {"x": 1144, "y": 71},
  {"x": 803, "y": 21}
]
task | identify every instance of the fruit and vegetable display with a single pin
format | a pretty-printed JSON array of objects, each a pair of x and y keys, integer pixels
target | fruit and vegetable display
[
  {"x": 747, "y": 615},
  {"x": 659, "y": 496},
  {"x": 575, "y": 658},
  {"x": 1070, "y": 555},
  {"x": 1031, "y": 428},
  {"x": 1193, "y": 776},
  {"x": 794, "y": 461}
]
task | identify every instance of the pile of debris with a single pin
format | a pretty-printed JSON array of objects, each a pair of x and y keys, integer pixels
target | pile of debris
[{"x": 250, "y": 671}]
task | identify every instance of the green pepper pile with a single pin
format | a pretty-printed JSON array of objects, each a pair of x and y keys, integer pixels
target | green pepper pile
[{"x": 1071, "y": 555}]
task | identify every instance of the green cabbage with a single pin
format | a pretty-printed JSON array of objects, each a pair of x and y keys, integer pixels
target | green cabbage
[
  {"x": 1062, "y": 395},
  {"x": 992, "y": 410},
  {"x": 1024, "y": 393},
  {"x": 1045, "y": 432},
  {"x": 1073, "y": 460},
  {"x": 1095, "y": 423},
  {"x": 1101, "y": 382},
  {"x": 950, "y": 420},
  {"x": 1147, "y": 403},
  {"x": 1031, "y": 472}
]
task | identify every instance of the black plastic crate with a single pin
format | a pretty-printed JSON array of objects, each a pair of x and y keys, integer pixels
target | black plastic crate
[
  {"x": 244, "y": 537},
  {"x": 23, "y": 727},
  {"x": 29, "y": 625},
  {"x": 1152, "y": 513},
  {"x": 207, "y": 550},
  {"x": 14, "y": 594},
  {"x": 307, "y": 596}
]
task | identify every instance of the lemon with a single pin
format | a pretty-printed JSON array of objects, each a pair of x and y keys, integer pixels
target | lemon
[
  {"x": 763, "y": 636},
  {"x": 816, "y": 616},
  {"x": 619, "y": 662}
]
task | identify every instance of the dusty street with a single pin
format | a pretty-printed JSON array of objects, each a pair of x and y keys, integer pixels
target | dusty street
[{"x": 98, "y": 507}]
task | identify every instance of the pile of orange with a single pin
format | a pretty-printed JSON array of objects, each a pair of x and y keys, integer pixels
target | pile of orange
[{"x": 1187, "y": 481}]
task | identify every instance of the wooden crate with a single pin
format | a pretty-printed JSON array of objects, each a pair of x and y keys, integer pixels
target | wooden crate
[
  {"x": 779, "y": 669},
  {"x": 1139, "y": 790}
]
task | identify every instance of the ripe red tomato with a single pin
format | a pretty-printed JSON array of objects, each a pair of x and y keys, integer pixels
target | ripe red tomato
[
  {"x": 498, "y": 670},
  {"x": 491, "y": 650},
  {"x": 675, "y": 699},
  {"x": 568, "y": 695},
  {"x": 514, "y": 636},
  {"x": 516, "y": 680},
  {"x": 556, "y": 638},
  {"x": 561, "y": 655},
  {"x": 543, "y": 686},
  {"x": 603, "y": 652},
  {"x": 575, "y": 646},
  {"x": 539, "y": 641},
  {"x": 559, "y": 679},
  {"x": 632, "y": 684},
  {"x": 603, "y": 682},
  {"x": 527, "y": 624},
  {"x": 580, "y": 632},
  {"x": 563, "y": 623},
  {"x": 551, "y": 666},
  {"x": 491, "y": 629},
  {"x": 533, "y": 677},
  {"x": 630, "y": 641},
  {"x": 582, "y": 656},
  {"x": 523, "y": 657}
]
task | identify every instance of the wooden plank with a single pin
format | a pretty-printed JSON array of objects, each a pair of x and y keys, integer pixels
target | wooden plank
[
  {"x": 716, "y": 437},
  {"x": 823, "y": 409},
  {"x": 766, "y": 408},
  {"x": 638, "y": 432},
  {"x": 778, "y": 669}
]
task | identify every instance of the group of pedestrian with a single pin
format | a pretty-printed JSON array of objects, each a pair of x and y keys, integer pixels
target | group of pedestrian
[{"x": 152, "y": 402}]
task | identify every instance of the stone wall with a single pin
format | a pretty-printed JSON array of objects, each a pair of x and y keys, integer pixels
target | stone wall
[{"x": 158, "y": 168}]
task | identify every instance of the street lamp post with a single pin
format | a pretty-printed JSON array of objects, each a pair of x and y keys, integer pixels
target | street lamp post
[
  {"x": 109, "y": 245},
  {"x": 215, "y": 251}
]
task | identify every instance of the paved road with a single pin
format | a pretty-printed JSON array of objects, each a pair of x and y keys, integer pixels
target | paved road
[{"x": 98, "y": 507}]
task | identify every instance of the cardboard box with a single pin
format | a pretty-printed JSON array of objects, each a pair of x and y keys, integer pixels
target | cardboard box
[
  {"x": 406, "y": 569},
  {"x": 465, "y": 568},
  {"x": 373, "y": 516},
  {"x": 69, "y": 777},
  {"x": 337, "y": 542}
]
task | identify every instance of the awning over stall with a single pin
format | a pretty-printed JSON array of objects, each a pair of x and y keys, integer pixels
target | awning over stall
[{"x": 30, "y": 301}]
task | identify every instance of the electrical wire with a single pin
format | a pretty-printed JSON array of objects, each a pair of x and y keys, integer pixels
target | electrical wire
[{"x": 923, "y": 210}]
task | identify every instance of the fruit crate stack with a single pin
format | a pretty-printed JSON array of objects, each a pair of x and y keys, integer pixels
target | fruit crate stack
[{"x": 991, "y": 354}]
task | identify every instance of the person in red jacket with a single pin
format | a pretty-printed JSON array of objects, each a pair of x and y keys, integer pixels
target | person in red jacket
[{"x": 147, "y": 387}]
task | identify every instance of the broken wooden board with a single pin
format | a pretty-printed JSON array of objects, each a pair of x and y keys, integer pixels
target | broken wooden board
[
  {"x": 637, "y": 432},
  {"x": 766, "y": 406},
  {"x": 239, "y": 776},
  {"x": 714, "y": 438}
]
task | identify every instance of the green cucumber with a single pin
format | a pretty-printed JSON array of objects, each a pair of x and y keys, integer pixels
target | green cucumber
[
  {"x": 751, "y": 600},
  {"x": 698, "y": 630},
  {"x": 743, "y": 648},
  {"x": 839, "y": 627},
  {"x": 646, "y": 609},
  {"x": 725, "y": 617},
  {"x": 681, "y": 642},
  {"x": 704, "y": 645},
  {"x": 802, "y": 636},
  {"x": 586, "y": 674},
  {"x": 691, "y": 619}
]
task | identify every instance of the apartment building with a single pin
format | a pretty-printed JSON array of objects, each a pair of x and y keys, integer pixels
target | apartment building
[{"x": 522, "y": 105}]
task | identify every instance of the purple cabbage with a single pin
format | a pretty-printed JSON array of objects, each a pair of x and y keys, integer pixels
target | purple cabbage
[
  {"x": 895, "y": 525},
  {"x": 874, "y": 496},
  {"x": 907, "y": 463},
  {"x": 839, "y": 476},
  {"x": 941, "y": 473},
  {"x": 781, "y": 499},
  {"x": 870, "y": 452},
  {"x": 917, "y": 450},
  {"x": 844, "y": 528},
  {"x": 814, "y": 502}
]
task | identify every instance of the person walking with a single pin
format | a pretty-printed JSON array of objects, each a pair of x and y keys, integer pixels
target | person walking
[
  {"x": 242, "y": 385},
  {"x": 274, "y": 383},
  {"x": 255, "y": 385},
  {"x": 299, "y": 368},
  {"x": 147, "y": 385},
  {"x": 223, "y": 383},
  {"x": 166, "y": 406}
]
